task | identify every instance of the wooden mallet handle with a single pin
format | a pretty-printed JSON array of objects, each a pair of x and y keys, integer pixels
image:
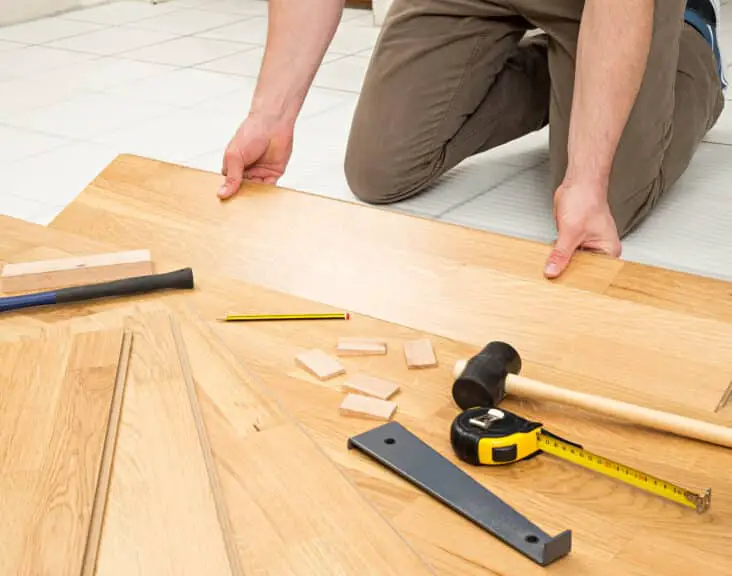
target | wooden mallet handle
[
  {"x": 526, "y": 388},
  {"x": 523, "y": 387}
]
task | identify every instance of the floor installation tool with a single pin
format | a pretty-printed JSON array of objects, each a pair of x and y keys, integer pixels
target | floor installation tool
[
  {"x": 485, "y": 379},
  {"x": 178, "y": 279},
  {"x": 398, "y": 449},
  {"x": 492, "y": 437}
]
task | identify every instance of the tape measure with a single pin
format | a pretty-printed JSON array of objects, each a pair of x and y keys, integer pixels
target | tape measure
[{"x": 492, "y": 437}]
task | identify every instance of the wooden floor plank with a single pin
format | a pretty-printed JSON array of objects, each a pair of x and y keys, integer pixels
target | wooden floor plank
[
  {"x": 292, "y": 511},
  {"x": 96, "y": 523},
  {"x": 161, "y": 516},
  {"x": 55, "y": 398}
]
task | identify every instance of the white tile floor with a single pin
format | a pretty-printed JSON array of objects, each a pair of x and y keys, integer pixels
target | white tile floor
[{"x": 173, "y": 80}]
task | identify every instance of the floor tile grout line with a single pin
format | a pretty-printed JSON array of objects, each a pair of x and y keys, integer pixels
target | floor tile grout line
[
  {"x": 197, "y": 33},
  {"x": 48, "y": 44},
  {"x": 519, "y": 172},
  {"x": 125, "y": 54}
]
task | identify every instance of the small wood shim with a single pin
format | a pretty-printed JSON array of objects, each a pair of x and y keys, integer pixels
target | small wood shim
[
  {"x": 419, "y": 354},
  {"x": 348, "y": 346},
  {"x": 320, "y": 364},
  {"x": 371, "y": 386},
  {"x": 366, "y": 407}
]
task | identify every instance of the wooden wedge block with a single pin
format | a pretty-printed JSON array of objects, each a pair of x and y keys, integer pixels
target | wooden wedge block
[
  {"x": 419, "y": 354},
  {"x": 320, "y": 364},
  {"x": 76, "y": 271},
  {"x": 367, "y": 407},
  {"x": 371, "y": 386},
  {"x": 349, "y": 346}
]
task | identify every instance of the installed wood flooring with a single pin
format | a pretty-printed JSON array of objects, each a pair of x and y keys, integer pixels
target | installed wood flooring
[{"x": 632, "y": 333}]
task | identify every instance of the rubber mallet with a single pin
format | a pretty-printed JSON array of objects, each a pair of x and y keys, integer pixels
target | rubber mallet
[{"x": 493, "y": 373}]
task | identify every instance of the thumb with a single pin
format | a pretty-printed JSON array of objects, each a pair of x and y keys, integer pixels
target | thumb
[
  {"x": 560, "y": 256},
  {"x": 234, "y": 172}
]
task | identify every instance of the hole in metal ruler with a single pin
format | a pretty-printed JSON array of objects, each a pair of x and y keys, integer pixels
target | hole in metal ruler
[
  {"x": 389, "y": 441},
  {"x": 532, "y": 539}
]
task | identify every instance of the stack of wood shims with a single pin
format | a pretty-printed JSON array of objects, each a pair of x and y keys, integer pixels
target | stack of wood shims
[
  {"x": 367, "y": 396},
  {"x": 133, "y": 442}
]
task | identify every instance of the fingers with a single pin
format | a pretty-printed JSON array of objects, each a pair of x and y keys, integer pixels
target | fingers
[
  {"x": 562, "y": 253},
  {"x": 233, "y": 170}
]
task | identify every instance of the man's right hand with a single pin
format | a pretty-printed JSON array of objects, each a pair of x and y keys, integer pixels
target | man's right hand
[
  {"x": 298, "y": 35},
  {"x": 258, "y": 152}
]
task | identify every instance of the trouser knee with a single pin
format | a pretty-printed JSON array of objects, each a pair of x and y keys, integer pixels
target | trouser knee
[{"x": 371, "y": 175}]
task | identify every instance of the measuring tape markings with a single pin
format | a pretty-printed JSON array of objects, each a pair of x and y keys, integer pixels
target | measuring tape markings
[
  {"x": 496, "y": 437},
  {"x": 577, "y": 455}
]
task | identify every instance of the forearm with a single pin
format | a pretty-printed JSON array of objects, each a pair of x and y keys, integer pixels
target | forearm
[
  {"x": 299, "y": 32},
  {"x": 614, "y": 42}
]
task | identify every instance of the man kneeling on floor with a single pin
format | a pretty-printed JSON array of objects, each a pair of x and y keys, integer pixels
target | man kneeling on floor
[{"x": 627, "y": 87}]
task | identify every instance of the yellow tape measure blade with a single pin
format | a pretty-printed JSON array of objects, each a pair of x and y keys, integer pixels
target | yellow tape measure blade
[{"x": 572, "y": 453}]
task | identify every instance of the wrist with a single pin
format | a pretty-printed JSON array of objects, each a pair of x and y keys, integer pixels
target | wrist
[
  {"x": 271, "y": 119},
  {"x": 593, "y": 183},
  {"x": 275, "y": 109}
]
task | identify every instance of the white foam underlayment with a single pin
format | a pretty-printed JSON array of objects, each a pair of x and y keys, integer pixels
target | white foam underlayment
[{"x": 179, "y": 76}]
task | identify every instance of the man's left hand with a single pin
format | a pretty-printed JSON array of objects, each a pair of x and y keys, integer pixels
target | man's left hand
[{"x": 584, "y": 222}]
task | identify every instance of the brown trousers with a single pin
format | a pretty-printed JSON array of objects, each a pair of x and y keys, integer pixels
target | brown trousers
[{"x": 452, "y": 78}]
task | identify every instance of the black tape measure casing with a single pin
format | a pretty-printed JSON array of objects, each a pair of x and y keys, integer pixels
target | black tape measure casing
[{"x": 503, "y": 441}]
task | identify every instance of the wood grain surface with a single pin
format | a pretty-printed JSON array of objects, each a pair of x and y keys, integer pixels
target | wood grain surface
[
  {"x": 460, "y": 288},
  {"x": 55, "y": 398},
  {"x": 161, "y": 515},
  {"x": 462, "y": 284},
  {"x": 284, "y": 239},
  {"x": 292, "y": 511},
  {"x": 96, "y": 523}
]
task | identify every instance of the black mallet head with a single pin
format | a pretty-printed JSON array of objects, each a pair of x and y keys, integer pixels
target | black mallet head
[{"x": 481, "y": 381}]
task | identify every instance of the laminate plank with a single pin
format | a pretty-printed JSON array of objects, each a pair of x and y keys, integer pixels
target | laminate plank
[
  {"x": 91, "y": 551},
  {"x": 55, "y": 403},
  {"x": 291, "y": 509},
  {"x": 161, "y": 515},
  {"x": 274, "y": 224},
  {"x": 221, "y": 510},
  {"x": 671, "y": 290}
]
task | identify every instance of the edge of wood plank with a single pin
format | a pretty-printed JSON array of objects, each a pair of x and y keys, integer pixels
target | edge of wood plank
[
  {"x": 96, "y": 523},
  {"x": 726, "y": 397},
  {"x": 213, "y": 477}
]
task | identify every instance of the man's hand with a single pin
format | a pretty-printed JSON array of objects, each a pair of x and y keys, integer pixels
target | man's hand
[
  {"x": 258, "y": 152},
  {"x": 584, "y": 222},
  {"x": 298, "y": 34},
  {"x": 612, "y": 53}
]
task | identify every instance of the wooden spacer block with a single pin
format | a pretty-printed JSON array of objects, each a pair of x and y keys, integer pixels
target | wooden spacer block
[
  {"x": 366, "y": 407},
  {"x": 371, "y": 386},
  {"x": 348, "y": 346},
  {"x": 320, "y": 364},
  {"x": 75, "y": 271},
  {"x": 419, "y": 354}
]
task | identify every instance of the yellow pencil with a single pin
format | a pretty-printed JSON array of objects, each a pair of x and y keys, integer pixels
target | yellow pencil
[{"x": 264, "y": 317}]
